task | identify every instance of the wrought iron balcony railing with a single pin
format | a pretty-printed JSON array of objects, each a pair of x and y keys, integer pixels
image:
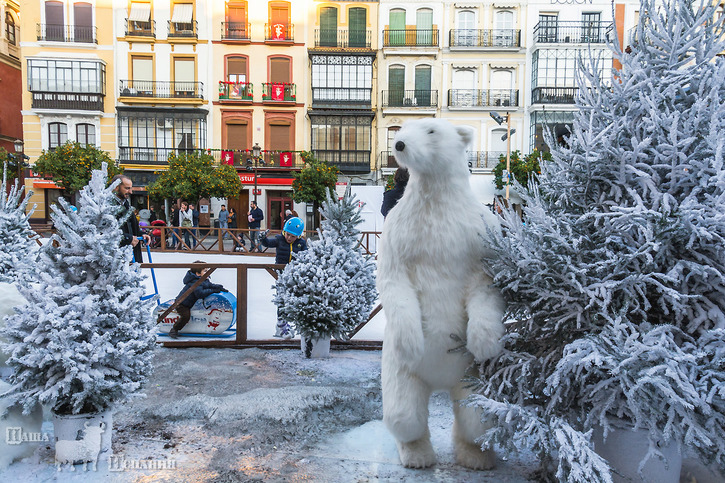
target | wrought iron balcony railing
[
  {"x": 279, "y": 32},
  {"x": 184, "y": 30},
  {"x": 162, "y": 89},
  {"x": 484, "y": 38},
  {"x": 387, "y": 160},
  {"x": 348, "y": 161},
  {"x": 279, "y": 92},
  {"x": 235, "y": 91},
  {"x": 410, "y": 37},
  {"x": 238, "y": 31},
  {"x": 410, "y": 99},
  {"x": 483, "y": 97},
  {"x": 277, "y": 160},
  {"x": 342, "y": 95},
  {"x": 553, "y": 95},
  {"x": 573, "y": 32},
  {"x": 68, "y": 100},
  {"x": 140, "y": 155},
  {"x": 484, "y": 159},
  {"x": 343, "y": 38},
  {"x": 141, "y": 29},
  {"x": 67, "y": 33}
]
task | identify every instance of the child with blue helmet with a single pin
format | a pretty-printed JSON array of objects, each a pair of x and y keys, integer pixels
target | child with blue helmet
[{"x": 288, "y": 242}]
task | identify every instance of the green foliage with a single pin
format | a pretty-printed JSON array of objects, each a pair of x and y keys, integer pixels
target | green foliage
[
  {"x": 71, "y": 164},
  {"x": 390, "y": 182},
  {"x": 191, "y": 176},
  {"x": 315, "y": 181},
  {"x": 521, "y": 170}
]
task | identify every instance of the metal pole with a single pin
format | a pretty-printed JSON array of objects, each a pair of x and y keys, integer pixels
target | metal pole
[
  {"x": 256, "y": 162},
  {"x": 508, "y": 153}
]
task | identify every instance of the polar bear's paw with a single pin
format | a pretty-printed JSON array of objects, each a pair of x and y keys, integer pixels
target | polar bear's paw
[
  {"x": 484, "y": 340},
  {"x": 471, "y": 456},
  {"x": 417, "y": 454}
]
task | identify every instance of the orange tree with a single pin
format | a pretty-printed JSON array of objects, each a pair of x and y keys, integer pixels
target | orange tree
[
  {"x": 193, "y": 175},
  {"x": 521, "y": 169},
  {"x": 314, "y": 182},
  {"x": 70, "y": 165}
]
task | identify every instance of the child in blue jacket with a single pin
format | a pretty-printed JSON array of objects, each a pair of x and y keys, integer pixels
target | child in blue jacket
[
  {"x": 286, "y": 244},
  {"x": 204, "y": 289}
]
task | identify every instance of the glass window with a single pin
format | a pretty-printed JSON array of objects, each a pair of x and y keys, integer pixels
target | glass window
[
  {"x": 66, "y": 76},
  {"x": 86, "y": 134},
  {"x": 10, "y": 28},
  {"x": 342, "y": 139},
  {"x": 57, "y": 134}
]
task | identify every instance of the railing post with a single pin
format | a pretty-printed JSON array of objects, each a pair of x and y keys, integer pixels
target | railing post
[{"x": 241, "y": 303}]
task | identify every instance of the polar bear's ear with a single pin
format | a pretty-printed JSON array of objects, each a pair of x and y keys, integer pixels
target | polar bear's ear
[{"x": 466, "y": 133}]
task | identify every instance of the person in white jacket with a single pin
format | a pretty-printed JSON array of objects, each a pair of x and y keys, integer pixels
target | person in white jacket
[{"x": 186, "y": 221}]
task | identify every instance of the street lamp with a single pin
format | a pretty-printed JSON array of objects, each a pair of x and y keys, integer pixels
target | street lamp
[
  {"x": 256, "y": 152},
  {"x": 506, "y": 137},
  {"x": 19, "y": 157}
]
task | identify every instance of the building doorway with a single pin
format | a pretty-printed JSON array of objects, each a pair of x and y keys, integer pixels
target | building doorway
[
  {"x": 277, "y": 203},
  {"x": 241, "y": 207}
]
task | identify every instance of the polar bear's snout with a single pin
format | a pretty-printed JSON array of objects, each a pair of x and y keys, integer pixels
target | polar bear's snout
[{"x": 399, "y": 146}]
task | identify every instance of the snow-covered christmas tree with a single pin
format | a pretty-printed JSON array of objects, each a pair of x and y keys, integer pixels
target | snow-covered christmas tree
[
  {"x": 328, "y": 289},
  {"x": 16, "y": 236},
  {"x": 84, "y": 340},
  {"x": 617, "y": 277}
]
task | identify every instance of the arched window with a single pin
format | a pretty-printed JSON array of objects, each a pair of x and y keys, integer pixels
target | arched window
[
  {"x": 422, "y": 96},
  {"x": 502, "y": 88},
  {"x": 10, "y": 28},
  {"x": 86, "y": 134},
  {"x": 503, "y": 34},
  {"x": 396, "y": 25},
  {"x": 424, "y": 27},
  {"x": 465, "y": 34},
  {"x": 464, "y": 85},
  {"x": 57, "y": 134},
  {"x": 396, "y": 85}
]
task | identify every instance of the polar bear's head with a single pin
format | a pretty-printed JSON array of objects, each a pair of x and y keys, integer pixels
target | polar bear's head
[{"x": 433, "y": 146}]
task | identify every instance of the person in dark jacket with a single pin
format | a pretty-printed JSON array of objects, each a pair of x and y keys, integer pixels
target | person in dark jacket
[
  {"x": 255, "y": 217},
  {"x": 204, "y": 289},
  {"x": 391, "y": 197},
  {"x": 289, "y": 242},
  {"x": 129, "y": 227}
]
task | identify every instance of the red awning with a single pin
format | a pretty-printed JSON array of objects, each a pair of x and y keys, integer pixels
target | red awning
[{"x": 249, "y": 179}]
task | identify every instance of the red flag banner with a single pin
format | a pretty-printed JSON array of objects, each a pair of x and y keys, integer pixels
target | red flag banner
[
  {"x": 278, "y": 31},
  {"x": 227, "y": 157},
  {"x": 285, "y": 159},
  {"x": 278, "y": 92}
]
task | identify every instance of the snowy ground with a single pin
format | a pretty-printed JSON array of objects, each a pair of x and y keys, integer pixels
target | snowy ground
[{"x": 226, "y": 415}]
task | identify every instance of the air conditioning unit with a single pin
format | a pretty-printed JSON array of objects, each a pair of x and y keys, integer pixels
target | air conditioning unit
[{"x": 165, "y": 123}]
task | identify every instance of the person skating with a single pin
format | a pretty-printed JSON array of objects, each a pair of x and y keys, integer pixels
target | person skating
[{"x": 204, "y": 289}]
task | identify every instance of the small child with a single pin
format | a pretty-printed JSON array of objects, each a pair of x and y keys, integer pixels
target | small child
[
  {"x": 204, "y": 289},
  {"x": 286, "y": 244}
]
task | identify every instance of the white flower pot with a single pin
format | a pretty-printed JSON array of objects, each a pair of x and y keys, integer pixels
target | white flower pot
[
  {"x": 316, "y": 348},
  {"x": 625, "y": 448},
  {"x": 82, "y": 439}
]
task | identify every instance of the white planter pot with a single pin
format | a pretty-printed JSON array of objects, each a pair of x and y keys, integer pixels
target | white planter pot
[
  {"x": 82, "y": 439},
  {"x": 625, "y": 448},
  {"x": 316, "y": 348}
]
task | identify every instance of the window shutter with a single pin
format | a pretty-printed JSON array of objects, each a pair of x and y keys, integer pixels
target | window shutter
[{"x": 279, "y": 70}]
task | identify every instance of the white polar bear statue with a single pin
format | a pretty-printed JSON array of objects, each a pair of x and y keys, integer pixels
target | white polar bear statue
[{"x": 435, "y": 293}]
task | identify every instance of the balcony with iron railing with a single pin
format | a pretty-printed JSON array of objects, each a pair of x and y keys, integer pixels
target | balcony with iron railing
[
  {"x": 143, "y": 155},
  {"x": 415, "y": 99},
  {"x": 67, "y": 33},
  {"x": 410, "y": 37},
  {"x": 279, "y": 92},
  {"x": 342, "y": 39},
  {"x": 235, "y": 91},
  {"x": 141, "y": 29},
  {"x": 343, "y": 96},
  {"x": 462, "y": 98},
  {"x": 279, "y": 33},
  {"x": 183, "y": 31},
  {"x": 236, "y": 32},
  {"x": 565, "y": 32},
  {"x": 81, "y": 101},
  {"x": 161, "y": 89},
  {"x": 553, "y": 95},
  {"x": 484, "y": 38},
  {"x": 348, "y": 161},
  {"x": 269, "y": 160}
]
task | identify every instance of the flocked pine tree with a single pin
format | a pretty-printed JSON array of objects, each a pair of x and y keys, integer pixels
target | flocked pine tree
[
  {"x": 84, "y": 340},
  {"x": 16, "y": 236},
  {"x": 328, "y": 289},
  {"x": 617, "y": 277}
]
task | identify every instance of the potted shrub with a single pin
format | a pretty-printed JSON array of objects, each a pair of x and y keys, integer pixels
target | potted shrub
[
  {"x": 328, "y": 289},
  {"x": 83, "y": 341},
  {"x": 616, "y": 274}
]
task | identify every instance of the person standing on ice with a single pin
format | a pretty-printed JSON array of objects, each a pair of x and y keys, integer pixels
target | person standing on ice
[
  {"x": 289, "y": 242},
  {"x": 129, "y": 227},
  {"x": 204, "y": 289}
]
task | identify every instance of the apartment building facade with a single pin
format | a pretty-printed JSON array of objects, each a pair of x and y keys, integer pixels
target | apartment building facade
[{"x": 66, "y": 64}]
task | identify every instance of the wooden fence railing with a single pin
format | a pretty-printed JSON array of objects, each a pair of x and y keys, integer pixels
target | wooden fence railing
[{"x": 241, "y": 340}]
